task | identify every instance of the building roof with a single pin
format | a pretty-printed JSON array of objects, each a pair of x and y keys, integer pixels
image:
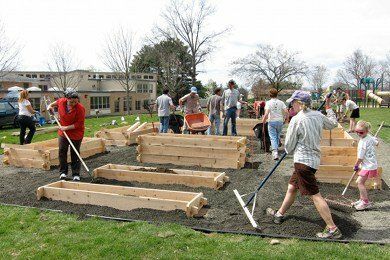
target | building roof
[{"x": 16, "y": 78}]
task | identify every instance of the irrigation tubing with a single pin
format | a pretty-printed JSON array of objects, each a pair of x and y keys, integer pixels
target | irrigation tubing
[
  {"x": 278, "y": 162},
  {"x": 208, "y": 231}
]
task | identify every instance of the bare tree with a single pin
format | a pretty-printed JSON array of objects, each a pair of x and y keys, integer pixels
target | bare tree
[
  {"x": 117, "y": 56},
  {"x": 318, "y": 76},
  {"x": 9, "y": 53},
  {"x": 275, "y": 65},
  {"x": 384, "y": 72},
  {"x": 64, "y": 67},
  {"x": 187, "y": 21},
  {"x": 356, "y": 67}
]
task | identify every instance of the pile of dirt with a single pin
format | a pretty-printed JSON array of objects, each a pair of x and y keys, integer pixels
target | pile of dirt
[{"x": 18, "y": 186}]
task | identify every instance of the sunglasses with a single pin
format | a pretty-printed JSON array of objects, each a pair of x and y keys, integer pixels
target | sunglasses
[{"x": 360, "y": 132}]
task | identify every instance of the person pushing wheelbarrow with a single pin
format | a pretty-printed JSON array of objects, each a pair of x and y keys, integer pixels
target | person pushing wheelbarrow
[{"x": 192, "y": 105}]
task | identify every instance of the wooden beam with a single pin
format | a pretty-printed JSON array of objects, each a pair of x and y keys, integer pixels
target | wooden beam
[
  {"x": 133, "y": 127},
  {"x": 327, "y": 151}
]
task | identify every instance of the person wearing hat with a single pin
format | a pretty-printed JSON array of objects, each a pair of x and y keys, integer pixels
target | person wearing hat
[
  {"x": 192, "y": 105},
  {"x": 72, "y": 116},
  {"x": 230, "y": 98},
  {"x": 303, "y": 140}
]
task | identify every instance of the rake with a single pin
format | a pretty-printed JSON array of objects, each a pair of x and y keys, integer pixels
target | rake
[{"x": 253, "y": 195}]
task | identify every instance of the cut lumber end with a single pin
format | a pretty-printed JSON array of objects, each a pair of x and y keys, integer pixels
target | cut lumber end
[
  {"x": 139, "y": 148},
  {"x": 6, "y": 161},
  {"x": 226, "y": 178},
  {"x": 203, "y": 201},
  {"x": 139, "y": 158},
  {"x": 40, "y": 193}
]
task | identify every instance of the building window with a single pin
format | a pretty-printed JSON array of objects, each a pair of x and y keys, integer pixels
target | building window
[
  {"x": 146, "y": 77},
  {"x": 34, "y": 76},
  {"x": 45, "y": 88},
  {"x": 138, "y": 105},
  {"x": 146, "y": 103},
  {"x": 101, "y": 76},
  {"x": 151, "y": 88},
  {"x": 28, "y": 75},
  {"x": 108, "y": 76},
  {"x": 124, "y": 104},
  {"x": 151, "y": 77},
  {"x": 116, "y": 105},
  {"x": 139, "y": 88},
  {"x": 48, "y": 76},
  {"x": 41, "y": 76},
  {"x": 100, "y": 102},
  {"x": 21, "y": 75},
  {"x": 25, "y": 85},
  {"x": 145, "y": 88},
  {"x": 138, "y": 76}
]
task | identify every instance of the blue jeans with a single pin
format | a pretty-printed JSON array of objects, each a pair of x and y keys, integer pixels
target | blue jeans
[
  {"x": 214, "y": 118},
  {"x": 164, "y": 124},
  {"x": 274, "y": 131},
  {"x": 230, "y": 114}
]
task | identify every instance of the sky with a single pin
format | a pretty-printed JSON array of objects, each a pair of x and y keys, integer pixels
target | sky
[{"x": 323, "y": 32}]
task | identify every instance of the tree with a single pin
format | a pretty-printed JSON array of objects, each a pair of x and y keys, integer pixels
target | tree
[
  {"x": 169, "y": 59},
  {"x": 62, "y": 62},
  {"x": 260, "y": 89},
  {"x": 356, "y": 67},
  {"x": 275, "y": 65},
  {"x": 384, "y": 72},
  {"x": 318, "y": 76},
  {"x": 243, "y": 92},
  {"x": 117, "y": 57},
  {"x": 187, "y": 21},
  {"x": 210, "y": 87},
  {"x": 9, "y": 53}
]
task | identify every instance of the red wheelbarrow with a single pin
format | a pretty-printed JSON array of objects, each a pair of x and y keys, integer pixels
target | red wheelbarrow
[{"x": 197, "y": 123}]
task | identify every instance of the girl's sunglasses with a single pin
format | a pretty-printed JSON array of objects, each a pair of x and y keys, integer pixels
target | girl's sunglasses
[{"x": 360, "y": 132}]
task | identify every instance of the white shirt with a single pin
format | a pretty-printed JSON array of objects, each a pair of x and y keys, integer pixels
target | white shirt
[
  {"x": 23, "y": 111},
  {"x": 366, "y": 152},
  {"x": 276, "y": 108},
  {"x": 163, "y": 103},
  {"x": 230, "y": 97},
  {"x": 351, "y": 105},
  {"x": 304, "y": 135}
]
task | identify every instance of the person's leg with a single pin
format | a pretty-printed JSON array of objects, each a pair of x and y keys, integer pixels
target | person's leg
[
  {"x": 211, "y": 118},
  {"x": 233, "y": 117},
  {"x": 166, "y": 124},
  {"x": 161, "y": 124},
  {"x": 217, "y": 124},
  {"x": 63, "y": 154},
  {"x": 226, "y": 122},
  {"x": 361, "y": 180},
  {"x": 23, "y": 127},
  {"x": 279, "y": 128},
  {"x": 288, "y": 199},
  {"x": 323, "y": 208},
  {"x": 273, "y": 135},
  {"x": 31, "y": 127},
  {"x": 76, "y": 163},
  {"x": 238, "y": 112}
]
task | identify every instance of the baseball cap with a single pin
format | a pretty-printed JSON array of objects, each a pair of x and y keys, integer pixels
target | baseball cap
[
  {"x": 71, "y": 93},
  {"x": 194, "y": 90},
  {"x": 232, "y": 82},
  {"x": 300, "y": 95}
]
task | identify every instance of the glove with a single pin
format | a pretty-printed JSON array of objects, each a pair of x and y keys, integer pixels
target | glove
[{"x": 356, "y": 168}]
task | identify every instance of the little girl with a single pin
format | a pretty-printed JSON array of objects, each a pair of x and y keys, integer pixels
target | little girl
[{"x": 367, "y": 159}]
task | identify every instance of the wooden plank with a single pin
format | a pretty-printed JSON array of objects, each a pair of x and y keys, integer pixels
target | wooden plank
[
  {"x": 333, "y": 134},
  {"x": 26, "y": 163},
  {"x": 338, "y": 151},
  {"x": 189, "y": 161},
  {"x": 204, "y": 137},
  {"x": 201, "y": 179},
  {"x": 338, "y": 160},
  {"x": 119, "y": 197},
  {"x": 133, "y": 127},
  {"x": 338, "y": 142}
]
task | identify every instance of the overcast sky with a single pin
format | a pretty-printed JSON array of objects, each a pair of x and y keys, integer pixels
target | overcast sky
[{"x": 323, "y": 31}]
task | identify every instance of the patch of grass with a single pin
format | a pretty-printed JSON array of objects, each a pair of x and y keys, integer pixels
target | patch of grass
[
  {"x": 92, "y": 125},
  {"x": 27, "y": 233},
  {"x": 375, "y": 116}
]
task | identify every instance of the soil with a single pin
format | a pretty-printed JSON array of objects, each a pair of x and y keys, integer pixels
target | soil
[{"x": 18, "y": 186}]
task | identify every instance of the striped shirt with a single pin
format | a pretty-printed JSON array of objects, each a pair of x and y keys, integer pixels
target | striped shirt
[{"x": 304, "y": 135}]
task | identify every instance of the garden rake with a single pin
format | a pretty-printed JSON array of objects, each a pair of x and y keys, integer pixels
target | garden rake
[{"x": 253, "y": 195}]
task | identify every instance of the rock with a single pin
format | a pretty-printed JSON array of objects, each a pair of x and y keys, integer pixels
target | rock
[
  {"x": 166, "y": 234},
  {"x": 274, "y": 242}
]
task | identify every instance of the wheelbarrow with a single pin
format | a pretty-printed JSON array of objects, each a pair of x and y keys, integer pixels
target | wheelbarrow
[{"x": 197, "y": 123}]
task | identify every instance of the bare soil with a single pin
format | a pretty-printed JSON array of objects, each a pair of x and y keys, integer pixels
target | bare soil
[{"x": 18, "y": 186}]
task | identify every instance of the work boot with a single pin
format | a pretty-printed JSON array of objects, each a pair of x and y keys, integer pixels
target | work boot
[
  {"x": 329, "y": 234},
  {"x": 62, "y": 176},
  {"x": 278, "y": 219}
]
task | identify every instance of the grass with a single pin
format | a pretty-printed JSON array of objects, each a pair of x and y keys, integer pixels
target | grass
[
  {"x": 30, "y": 233},
  {"x": 92, "y": 125},
  {"x": 375, "y": 116}
]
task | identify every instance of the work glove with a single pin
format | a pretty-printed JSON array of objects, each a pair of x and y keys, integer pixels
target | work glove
[{"x": 356, "y": 168}]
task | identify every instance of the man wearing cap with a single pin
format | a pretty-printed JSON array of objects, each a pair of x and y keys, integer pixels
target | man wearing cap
[
  {"x": 192, "y": 104},
  {"x": 303, "y": 140},
  {"x": 72, "y": 116},
  {"x": 229, "y": 100}
]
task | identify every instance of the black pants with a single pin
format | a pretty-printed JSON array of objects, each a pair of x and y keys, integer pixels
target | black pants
[
  {"x": 24, "y": 123},
  {"x": 63, "y": 145}
]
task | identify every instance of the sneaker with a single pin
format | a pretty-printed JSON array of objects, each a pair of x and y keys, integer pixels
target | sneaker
[
  {"x": 76, "y": 178},
  {"x": 275, "y": 155},
  {"x": 363, "y": 205},
  {"x": 327, "y": 233},
  {"x": 62, "y": 176},
  {"x": 272, "y": 213},
  {"x": 355, "y": 203}
]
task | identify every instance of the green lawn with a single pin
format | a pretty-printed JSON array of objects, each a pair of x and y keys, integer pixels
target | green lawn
[
  {"x": 29, "y": 233},
  {"x": 92, "y": 125}
]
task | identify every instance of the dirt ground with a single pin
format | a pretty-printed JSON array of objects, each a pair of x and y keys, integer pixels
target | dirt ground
[{"x": 18, "y": 186}]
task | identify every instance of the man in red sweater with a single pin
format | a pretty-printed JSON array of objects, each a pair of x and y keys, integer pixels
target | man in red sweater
[{"x": 72, "y": 117}]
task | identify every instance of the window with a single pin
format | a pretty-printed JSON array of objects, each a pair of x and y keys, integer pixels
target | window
[
  {"x": 151, "y": 88},
  {"x": 124, "y": 104},
  {"x": 34, "y": 76},
  {"x": 48, "y": 76},
  {"x": 45, "y": 88},
  {"x": 146, "y": 103},
  {"x": 21, "y": 75},
  {"x": 146, "y": 77},
  {"x": 145, "y": 88},
  {"x": 100, "y": 102},
  {"x": 138, "y": 76},
  {"x": 25, "y": 85},
  {"x": 108, "y": 76},
  {"x": 28, "y": 75},
  {"x": 139, "y": 88},
  {"x": 151, "y": 77},
  {"x": 116, "y": 105},
  {"x": 36, "y": 103},
  {"x": 138, "y": 105},
  {"x": 101, "y": 76},
  {"x": 41, "y": 76},
  {"x": 133, "y": 76}
]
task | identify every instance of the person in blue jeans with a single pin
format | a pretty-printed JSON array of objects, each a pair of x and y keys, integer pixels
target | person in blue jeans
[
  {"x": 164, "y": 103},
  {"x": 276, "y": 114},
  {"x": 229, "y": 100},
  {"x": 214, "y": 108}
]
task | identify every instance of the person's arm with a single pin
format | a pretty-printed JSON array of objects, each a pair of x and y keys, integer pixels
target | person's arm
[
  {"x": 286, "y": 115},
  {"x": 360, "y": 155},
  {"x": 171, "y": 104},
  {"x": 30, "y": 109},
  {"x": 265, "y": 117},
  {"x": 52, "y": 105},
  {"x": 208, "y": 104},
  {"x": 222, "y": 104},
  {"x": 291, "y": 136}
]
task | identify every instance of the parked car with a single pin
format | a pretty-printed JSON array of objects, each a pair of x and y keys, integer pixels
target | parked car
[{"x": 8, "y": 114}]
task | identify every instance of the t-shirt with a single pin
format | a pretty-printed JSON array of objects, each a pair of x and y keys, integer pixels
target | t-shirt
[
  {"x": 351, "y": 105},
  {"x": 276, "y": 108},
  {"x": 192, "y": 103},
  {"x": 163, "y": 104},
  {"x": 23, "y": 111},
  {"x": 230, "y": 97},
  {"x": 214, "y": 104},
  {"x": 366, "y": 151},
  {"x": 74, "y": 116}
]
